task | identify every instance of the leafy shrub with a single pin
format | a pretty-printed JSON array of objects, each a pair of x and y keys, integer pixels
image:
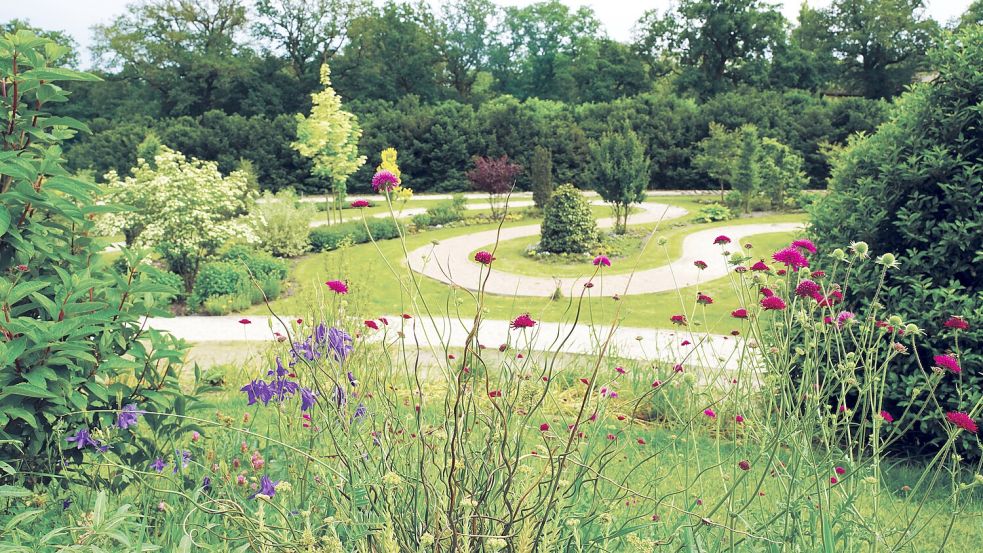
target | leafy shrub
[
  {"x": 73, "y": 347},
  {"x": 568, "y": 224},
  {"x": 226, "y": 303},
  {"x": 444, "y": 213},
  {"x": 330, "y": 237},
  {"x": 713, "y": 212},
  {"x": 260, "y": 264},
  {"x": 282, "y": 224},
  {"x": 913, "y": 188},
  {"x": 219, "y": 278}
]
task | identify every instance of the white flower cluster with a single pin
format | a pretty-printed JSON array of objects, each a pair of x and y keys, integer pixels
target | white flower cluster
[{"x": 183, "y": 202}]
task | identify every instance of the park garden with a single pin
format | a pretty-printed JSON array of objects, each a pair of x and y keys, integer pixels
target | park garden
[{"x": 492, "y": 281}]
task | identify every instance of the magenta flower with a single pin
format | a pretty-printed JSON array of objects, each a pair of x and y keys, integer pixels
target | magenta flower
[
  {"x": 956, "y": 322},
  {"x": 522, "y": 321},
  {"x": 483, "y": 257},
  {"x": 544, "y": 427},
  {"x": 602, "y": 261},
  {"x": 832, "y": 299},
  {"x": 744, "y": 465},
  {"x": 805, "y": 244},
  {"x": 760, "y": 266},
  {"x": 709, "y": 412},
  {"x": 739, "y": 313},
  {"x": 843, "y": 317},
  {"x": 721, "y": 240},
  {"x": 948, "y": 363},
  {"x": 887, "y": 416},
  {"x": 767, "y": 292},
  {"x": 245, "y": 321},
  {"x": 806, "y": 289},
  {"x": 791, "y": 257},
  {"x": 739, "y": 419},
  {"x": 700, "y": 264},
  {"x": 703, "y": 299},
  {"x": 361, "y": 203},
  {"x": 337, "y": 286},
  {"x": 773, "y": 303},
  {"x": 962, "y": 420},
  {"x": 839, "y": 470},
  {"x": 384, "y": 180},
  {"x": 372, "y": 324},
  {"x": 678, "y": 320}
]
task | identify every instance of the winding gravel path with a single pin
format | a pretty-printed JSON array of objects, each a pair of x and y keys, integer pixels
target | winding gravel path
[
  {"x": 643, "y": 344},
  {"x": 449, "y": 260}
]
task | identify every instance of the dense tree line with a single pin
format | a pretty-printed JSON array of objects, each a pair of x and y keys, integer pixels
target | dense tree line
[{"x": 222, "y": 79}]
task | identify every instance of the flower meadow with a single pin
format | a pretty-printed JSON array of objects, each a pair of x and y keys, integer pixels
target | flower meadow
[{"x": 351, "y": 435}]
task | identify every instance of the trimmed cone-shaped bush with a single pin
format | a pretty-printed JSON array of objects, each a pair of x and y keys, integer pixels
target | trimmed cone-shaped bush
[
  {"x": 568, "y": 225},
  {"x": 913, "y": 189}
]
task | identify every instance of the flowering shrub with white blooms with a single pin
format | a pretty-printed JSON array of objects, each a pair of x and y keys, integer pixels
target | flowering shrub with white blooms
[{"x": 184, "y": 208}]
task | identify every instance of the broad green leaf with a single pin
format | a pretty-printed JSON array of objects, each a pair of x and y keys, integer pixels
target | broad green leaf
[{"x": 58, "y": 74}]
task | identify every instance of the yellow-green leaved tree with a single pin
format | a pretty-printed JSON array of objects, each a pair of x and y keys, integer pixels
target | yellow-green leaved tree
[{"x": 329, "y": 136}]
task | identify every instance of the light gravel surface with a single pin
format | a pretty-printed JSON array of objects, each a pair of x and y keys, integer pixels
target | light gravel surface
[
  {"x": 450, "y": 260},
  {"x": 644, "y": 344}
]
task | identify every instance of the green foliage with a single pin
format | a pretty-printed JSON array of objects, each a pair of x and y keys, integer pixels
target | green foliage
[
  {"x": 444, "y": 213},
  {"x": 620, "y": 171},
  {"x": 185, "y": 209},
  {"x": 541, "y": 175},
  {"x": 219, "y": 278},
  {"x": 913, "y": 188},
  {"x": 712, "y": 213},
  {"x": 72, "y": 344},
  {"x": 568, "y": 225},
  {"x": 230, "y": 283},
  {"x": 747, "y": 170},
  {"x": 281, "y": 224},
  {"x": 330, "y": 237},
  {"x": 259, "y": 264}
]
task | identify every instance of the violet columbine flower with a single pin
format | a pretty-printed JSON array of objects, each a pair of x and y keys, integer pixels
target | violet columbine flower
[
  {"x": 307, "y": 399},
  {"x": 340, "y": 397},
  {"x": 257, "y": 390},
  {"x": 280, "y": 372},
  {"x": 267, "y": 487},
  {"x": 352, "y": 380},
  {"x": 340, "y": 344},
  {"x": 128, "y": 416},
  {"x": 185, "y": 460},
  {"x": 360, "y": 412},
  {"x": 206, "y": 484},
  {"x": 83, "y": 439},
  {"x": 158, "y": 464}
]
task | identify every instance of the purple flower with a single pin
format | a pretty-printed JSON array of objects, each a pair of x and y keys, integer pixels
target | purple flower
[
  {"x": 281, "y": 388},
  {"x": 602, "y": 261},
  {"x": 158, "y": 464},
  {"x": 351, "y": 379},
  {"x": 185, "y": 459},
  {"x": 128, "y": 416},
  {"x": 206, "y": 484},
  {"x": 385, "y": 181},
  {"x": 267, "y": 487},
  {"x": 280, "y": 371},
  {"x": 360, "y": 412},
  {"x": 257, "y": 390},
  {"x": 339, "y": 396},
  {"x": 82, "y": 439},
  {"x": 66, "y": 504},
  {"x": 791, "y": 257},
  {"x": 340, "y": 344},
  {"x": 307, "y": 399}
]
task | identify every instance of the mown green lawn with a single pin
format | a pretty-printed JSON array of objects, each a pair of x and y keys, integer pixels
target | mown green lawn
[{"x": 382, "y": 285}]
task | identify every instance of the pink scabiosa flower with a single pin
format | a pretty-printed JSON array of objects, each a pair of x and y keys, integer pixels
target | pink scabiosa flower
[
  {"x": 791, "y": 258},
  {"x": 544, "y": 427},
  {"x": 678, "y": 367},
  {"x": 739, "y": 313},
  {"x": 739, "y": 419},
  {"x": 766, "y": 292},
  {"x": 709, "y": 412},
  {"x": 744, "y": 465},
  {"x": 703, "y": 299},
  {"x": 22, "y": 268},
  {"x": 840, "y": 470},
  {"x": 962, "y": 420},
  {"x": 773, "y": 303},
  {"x": 361, "y": 203},
  {"x": 956, "y": 322},
  {"x": 721, "y": 240},
  {"x": 760, "y": 266},
  {"x": 843, "y": 318},
  {"x": 602, "y": 261},
  {"x": 832, "y": 299},
  {"x": 806, "y": 288},
  {"x": 385, "y": 181},
  {"x": 522, "y": 321},
  {"x": 483, "y": 257},
  {"x": 678, "y": 320},
  {"x": 337, "y": 286},
  {"x": 804, "y": 244},
  {"x": 833, "y": 480},
  {"x": 740, "y": 269},
  {"x": 948, "y": 363},
  {"x": 641, "y": 441},
  {"x": 887, "y": 416},
  {"x": 818, "y": 274},
  {"x": 245, "y": 321},
  {"x": 700, "y": 264},
  {"x": 685, "y": 343},
  {"x": 372, "y": 324},
  {"x": 620, "y": 370},
  {"x": 656, "y": 383}
]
